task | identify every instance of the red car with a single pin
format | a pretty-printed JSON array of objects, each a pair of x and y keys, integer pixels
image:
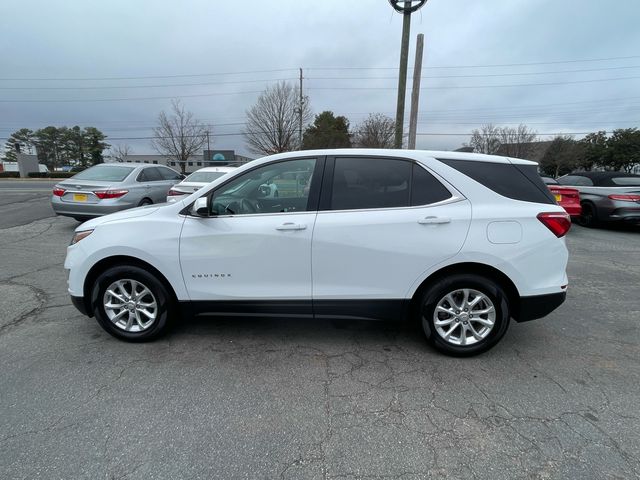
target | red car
[{"x": 567, "y": 197}]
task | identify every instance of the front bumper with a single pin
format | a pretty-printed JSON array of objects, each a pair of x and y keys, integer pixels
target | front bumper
[
  {"x": 81, "y": 306},
  {"x": 538, "y": 306}
]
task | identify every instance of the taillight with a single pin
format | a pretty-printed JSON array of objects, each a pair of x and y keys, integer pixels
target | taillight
[
  {"x": 558, "y": 222},
  {"x": 102, "y": 194},
  {"x": 623, "y": 197},
  {"x": 58, "y": 192},
  {"x": 172, "y": 193}
]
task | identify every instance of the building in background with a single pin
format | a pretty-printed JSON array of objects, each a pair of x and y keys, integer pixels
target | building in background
[{"x": 209, "y": 158}]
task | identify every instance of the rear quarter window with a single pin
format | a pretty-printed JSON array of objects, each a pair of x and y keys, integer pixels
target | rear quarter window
[
  {"x": 626, "y": 181},
  {"x": 519, "y": 182}
]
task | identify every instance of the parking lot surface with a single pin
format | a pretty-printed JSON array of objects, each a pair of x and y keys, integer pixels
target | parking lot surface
[{"x": 269, "y": 398}]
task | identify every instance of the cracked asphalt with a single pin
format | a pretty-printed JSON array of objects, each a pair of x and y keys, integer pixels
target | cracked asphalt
[{"x": 291, "y": 399}]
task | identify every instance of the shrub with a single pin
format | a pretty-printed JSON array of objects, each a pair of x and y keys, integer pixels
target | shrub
[
  {"x": 9, "y": 174},
  {"x": 38, "y": 174},
  {"x": 61, "y": 175}
]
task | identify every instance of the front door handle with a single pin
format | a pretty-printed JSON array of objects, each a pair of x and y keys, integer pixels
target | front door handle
[
  {"x": 291, "y": 226},
  {"x": 434, "y": 220}
]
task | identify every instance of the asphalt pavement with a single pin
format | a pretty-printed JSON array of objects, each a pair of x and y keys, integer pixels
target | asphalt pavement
[
  {"x": 24, "y": 201},
  {"x": 284, "y": 398}
]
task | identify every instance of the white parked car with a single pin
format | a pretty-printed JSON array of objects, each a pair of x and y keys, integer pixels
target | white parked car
[
  {"x": 195, "y": 182},
  {"x": 461, "y": 243}
]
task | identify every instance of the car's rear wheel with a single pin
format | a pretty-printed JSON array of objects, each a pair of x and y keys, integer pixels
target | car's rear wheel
[
  {"x": 589, "y": 216},
  {"x": 131, "y": 304},
  {"x": 145, "y": 201},
  {"x": 464, "y": 315},
  {"x": 82, "y": 219}
]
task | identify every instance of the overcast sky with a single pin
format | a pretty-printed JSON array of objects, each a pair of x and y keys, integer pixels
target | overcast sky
[{"x": 87, "y": 45}]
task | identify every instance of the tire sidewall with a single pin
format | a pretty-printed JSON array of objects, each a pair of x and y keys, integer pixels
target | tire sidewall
[
  {"x": 455, "y": 282},
  {"x": 163, "y": 299}
]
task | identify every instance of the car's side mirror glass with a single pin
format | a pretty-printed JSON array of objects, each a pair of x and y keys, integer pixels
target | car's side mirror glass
[{"x": 201, "y": 207}]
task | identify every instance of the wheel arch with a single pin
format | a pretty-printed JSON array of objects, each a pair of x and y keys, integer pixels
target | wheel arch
[
  {"x": 113, "y": 261},
  {"x": 482, "y": 269}
]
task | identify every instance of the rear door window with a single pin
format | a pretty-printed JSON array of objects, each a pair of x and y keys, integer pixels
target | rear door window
[
  {"x": 362, "y": 182},
  {"x": 152, "y": 175},
  {"x": 519, "y": 182},
  {"x": 168, "y": 173}
]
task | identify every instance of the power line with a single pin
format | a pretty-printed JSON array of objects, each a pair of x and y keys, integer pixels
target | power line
[
  {"x": 453, "y": 87},
  {"x": 191, "y": 75},
  {"x": 484, "y": 66},
  {"x": 484, "y": 75},
  {"x": 144, "y": 77},
  {"x": 450, "y": 87},
  {"x": 113, "y": 87}
]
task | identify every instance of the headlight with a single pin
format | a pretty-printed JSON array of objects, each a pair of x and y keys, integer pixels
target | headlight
[{"x": 80, "y": 235}]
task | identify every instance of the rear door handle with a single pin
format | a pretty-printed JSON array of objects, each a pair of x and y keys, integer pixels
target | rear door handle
[
  {"x": 291, "y": 226},
  {"x": 434, "y": 220}
]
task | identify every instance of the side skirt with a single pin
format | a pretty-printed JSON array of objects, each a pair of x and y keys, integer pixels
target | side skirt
[{"x": 392, "y": 309}]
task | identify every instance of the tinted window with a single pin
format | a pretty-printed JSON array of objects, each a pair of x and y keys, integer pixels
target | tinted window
[
  {"x": 520, "y": 182},
  {"x": 149, "y": 175},
  {"x": 577, "y": 180},
  {"x": 107, "y": 173},
  {"x": 626, "y": 181},
  {"x": 169, "y": 174},
  {"x": 370, "y": 183},
  {"x": 425, "y": 188}
]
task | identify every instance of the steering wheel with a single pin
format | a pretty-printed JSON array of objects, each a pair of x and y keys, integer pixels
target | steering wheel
[{"x": 247, "y": 207}]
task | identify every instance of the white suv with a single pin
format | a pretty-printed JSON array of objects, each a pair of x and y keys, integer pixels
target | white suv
[{"x": 460, "y": 242}]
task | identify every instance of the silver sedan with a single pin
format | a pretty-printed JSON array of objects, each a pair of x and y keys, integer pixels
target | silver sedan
[{"x": 109, "y": 187}]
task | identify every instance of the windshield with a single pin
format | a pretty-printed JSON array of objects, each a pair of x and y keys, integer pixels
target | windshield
[
  {"x": 110, "y": 173},
  {"x": 627, "y": 181},
  {"x": 204, "y": 177}
]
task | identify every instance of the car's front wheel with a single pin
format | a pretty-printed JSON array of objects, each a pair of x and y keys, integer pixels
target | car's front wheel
[
  {"x": 132, "y": 304},
  {"x": 464, "y": 315}
]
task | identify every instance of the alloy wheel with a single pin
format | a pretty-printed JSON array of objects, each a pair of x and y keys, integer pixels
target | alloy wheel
[
  {"x": 464, "y": 317},
  {"x": 130, "y": 305}
]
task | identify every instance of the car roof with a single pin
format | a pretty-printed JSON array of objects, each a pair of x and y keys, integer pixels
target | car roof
[
  {"x": 413, "y": 154},
  {"x": 603, "y": 179},
  {"x": 599, "y": 175},
  {"x": 215, "y": 169}
]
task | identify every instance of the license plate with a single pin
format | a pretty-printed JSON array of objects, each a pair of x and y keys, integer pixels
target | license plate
[
  {"x": 79, "y": 197},
  {"x": 558, "y": 197}
]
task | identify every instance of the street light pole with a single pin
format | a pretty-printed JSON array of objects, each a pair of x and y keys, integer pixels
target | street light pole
[{"x": 406, "y": 7}]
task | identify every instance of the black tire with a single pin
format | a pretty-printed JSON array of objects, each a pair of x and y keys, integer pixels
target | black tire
[
  {"x": 589, "y": 216},
  {"x": 489, "y": 288},
  {"x": 82, "y": 219},
  {"x": 145, "y": 201},
  {"x": 164, "y": 301}
]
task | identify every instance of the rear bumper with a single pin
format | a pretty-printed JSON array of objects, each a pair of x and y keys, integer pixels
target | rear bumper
[
  {"x": 573, "y": 210},
  {"x": 72, "y": 209},
  {"x": 539, "y": 306}
]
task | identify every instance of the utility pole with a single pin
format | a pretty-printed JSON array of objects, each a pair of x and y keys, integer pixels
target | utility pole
[
  {"x": 300, "y": 112},
  {"x": 415, "y": 93},
  {"x": 406, "y": 7}
]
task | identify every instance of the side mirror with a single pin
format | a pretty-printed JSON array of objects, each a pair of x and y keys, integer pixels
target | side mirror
[{"x": 201, "y": 207}]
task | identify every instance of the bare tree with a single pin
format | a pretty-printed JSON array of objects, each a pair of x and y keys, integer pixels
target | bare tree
[
  {"x": 376, "y": 131},
  {"x": 516, "y": 142},
  {"x": 273, "y": 122},
  {"x": 485, "y": 140},
  {"x": 121, "y": 151},
  {"x": 179, "y": 135}
]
